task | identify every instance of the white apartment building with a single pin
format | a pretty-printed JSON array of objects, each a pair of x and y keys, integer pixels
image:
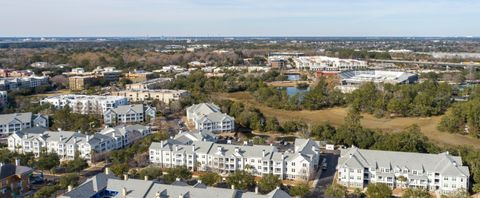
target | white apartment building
[
  {"x": 86, "y": 104},
  {"x": 14, "y": 122},
  {"x": 435, "y": 172},
  {"x": 163, "y": 95},
  {"x": 207, "y": 116},
  {"x": 324, "y": 63},
  {"x": 298, "y": 164},
  {"x": 67, "y": 143},
  {"x": 22, "y": 82},
  {"x": 125, "y": 114}
]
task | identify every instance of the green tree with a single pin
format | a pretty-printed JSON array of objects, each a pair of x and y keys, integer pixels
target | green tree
[
  {"x": 151, "y": 172},
  {"x": 268, "y": 183},
  {"x": 300, "y": 190},
  {"x": 416, "y": 193},
  {"x": 378, "y": 190},
  {"x": 69, "y": 179},
  {"x": 46, "y": 191},
  {"x": 210, "y": 178},
  {"x": 180, "y": 172},
  {"x": 336, "y": 191},
  {"x": 47, "y": 161},
  {"x": 241, "y": 179},
  {"x": 119, "y": 168}
]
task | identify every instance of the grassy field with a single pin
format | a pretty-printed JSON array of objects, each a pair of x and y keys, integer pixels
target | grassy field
[{"x": 335, "y": 116}]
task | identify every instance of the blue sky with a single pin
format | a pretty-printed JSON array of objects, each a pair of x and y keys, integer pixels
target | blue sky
[{"x": 239, "y": 18}]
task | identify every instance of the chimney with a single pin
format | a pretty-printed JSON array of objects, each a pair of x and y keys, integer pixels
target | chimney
[
  {"x": 176, "y": 148},
  {"x": 199, "y": 181},
  {"x": 263, "y": 153},
  {"x": 59, "y": 129},
  {"x": 256, "y": 189},
  {"x": 177, "y": 179},
  {"x": 157, "y": 194},
  {"x": 145, "y": 178},
  {"x": 17, "y": 162},
  {"x": 107, "y": 171},
  {"x": 125, "y": 177},
  {"x": 124, "y": 192},
  {"x": 61, "y": 138},
  {"x": 70, "y": 187},
  {"x": 88, "y": 138},
  {"x": 233, "y": 187},
  {"x": 193, "y": 148},
  {"x": 180, "y": 196},
  {"x": 245, "y": 143},
  {"x": 113, "y": 134},
  {"x": 283, "y": 156}
]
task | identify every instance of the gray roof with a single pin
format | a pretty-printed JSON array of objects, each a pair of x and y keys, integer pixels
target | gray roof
[
  {"x": 91, "y": 186},
  {"x": 123, "y": 109},
  {"x": 22, "y": 117},
  {"x": 442, "y": 163},
  {"x": 197, "y": 135},
  {"x": 204, "y": 108},
  {"x": 216, "y": 117},
  {"x": 8, "y": 170}
]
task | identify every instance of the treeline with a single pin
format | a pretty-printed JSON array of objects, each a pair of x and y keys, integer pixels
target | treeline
[
  {"x": 424, "y": 99},
  {"x": 463, "y": 118}
]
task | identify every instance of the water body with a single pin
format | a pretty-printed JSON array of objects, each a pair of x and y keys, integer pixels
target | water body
[
  {"x": 293, "y": 77},
  {"x": 294, "y": 90}
]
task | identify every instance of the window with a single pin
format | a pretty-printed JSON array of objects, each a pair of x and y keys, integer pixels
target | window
[
  {"x": 445, "y": 178},
  {"x": 359, "y": 171}
]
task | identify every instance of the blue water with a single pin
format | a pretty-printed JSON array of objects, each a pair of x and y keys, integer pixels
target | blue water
[
  {"x": 293, "y": 77},
  {"x": 294, "y": 90}
]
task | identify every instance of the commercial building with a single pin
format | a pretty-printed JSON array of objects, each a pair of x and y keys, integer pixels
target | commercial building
[
  {"x": 324, "y": 63},
  {"x": 67, "y": 143},
  {"x": 298, "y": 164},
  {"x": 163, "y": 95},
  {"x": 125, "y": 114},
  {"x": 139, "y": 76},
  {"x": 207, "y": 116},
  {"x": 8, "y": 84},
  {"x": 85, "y": 104},
  {"x": 106, "y": 184},
  {"x": 155, "y": 83},
  {"x": 15, "y": 178},
  {"x": 10, "y": 123},
  {"x": 351, "y": 80},
  {"x": 435, "y": 172}
]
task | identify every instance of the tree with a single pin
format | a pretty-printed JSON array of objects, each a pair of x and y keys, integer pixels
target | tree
[
  {"x": 300, "y": 190},
  {"x": 241, "y": 180},
  {"x": 378, "y": 190},
  {"x": 268, "y": 183},
  {"x": 151, "y": 172},
  {"x": 210, "y": 178},
  {"x": 180, "y": 172},
  {"x": 336, "y": 191},
  {"x": 47, "y": 161},
  {"x": 75, "y": 165},
  {"x": 69, "y": 179},
  {"x": 46, "y": 191},
  {"x": 416, "y": 193},
  {"x": 119, "y": 168}
]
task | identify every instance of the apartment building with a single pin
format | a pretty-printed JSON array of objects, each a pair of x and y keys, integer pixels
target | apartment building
[
  {"x": 16, "y": 83},
  {"x": 78, "y": 83},
  {"x": 137, "y": 76},
  {"x": 155, "y": 83},
  {"x": 324, "y": 63},
  {"x": 10, "y": 123},
  {"x": 85, "y": 104},
  {"x": 298, "y": 164},
  {"x": 207, "y": 116},
  {"x": 124, "y": 114},
  {"x": 189, "y": 137},
  {"x": 15, "y": 178},
  {"x": 163, "y": 95},
  {"x": 435, "y": 172},
  {"x": 67, "y": 143},
  {"x": 106, "y": 184}
]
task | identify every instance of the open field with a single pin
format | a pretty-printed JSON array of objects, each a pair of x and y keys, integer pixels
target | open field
[{"x": 335, "y": 116}]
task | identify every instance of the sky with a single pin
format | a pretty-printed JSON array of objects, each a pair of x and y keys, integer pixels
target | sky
[{"x": 239, "y": 18}]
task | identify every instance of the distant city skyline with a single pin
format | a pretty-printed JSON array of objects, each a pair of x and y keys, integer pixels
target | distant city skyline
[{"x": 123, "y": 18}]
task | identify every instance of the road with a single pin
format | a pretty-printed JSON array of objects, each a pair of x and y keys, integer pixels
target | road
[{"x": 326, "y": 178}]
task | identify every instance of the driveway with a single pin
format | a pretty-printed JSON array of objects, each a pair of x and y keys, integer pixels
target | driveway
[{"x": 326, "y": 178}]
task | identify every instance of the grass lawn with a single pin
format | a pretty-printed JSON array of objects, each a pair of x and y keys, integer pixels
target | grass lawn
[{"x": 335, "y": 116}]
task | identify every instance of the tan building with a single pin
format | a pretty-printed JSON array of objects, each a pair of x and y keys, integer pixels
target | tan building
[
  {"x": 164, "y": 95},
  {"x": 155, "y": 83},
  {"x": 80, "y": 82},
  {"x": 15, "y": 178},
  {"x": 139, "y": 76}
]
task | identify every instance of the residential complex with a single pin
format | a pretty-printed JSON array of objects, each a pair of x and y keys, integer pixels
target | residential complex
[
  {"x": 324, "y": 63},
  {"x": 124, "y": 114},
  {"x": 298, "y": 164},
  {"x": 351, "y": 80},
  {"x": 436, "y": 172},
  {"x": 10, "y": 123},
  {"x": 15, "y": 73},
  {"x": 67, "y": 143},
  {"x": 14, "y": 178},
  {"x": 207, "y": 116},
  {"x": 155, "y": 83},
  {"x": 16, "y": 83},
  {"x": 137, "y": 76},
  {"x": 163, "y": 95},
  {"x": 78, "y": 83},
  {"x": 85, "y": 104},
  {"x": 106, "y": 184}
]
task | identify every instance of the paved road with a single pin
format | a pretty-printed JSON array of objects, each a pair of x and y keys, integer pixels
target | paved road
[{"x": 327, "y": 175}]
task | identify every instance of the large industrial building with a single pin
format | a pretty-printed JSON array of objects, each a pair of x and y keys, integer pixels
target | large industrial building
[{"x": 351, "y": 80}]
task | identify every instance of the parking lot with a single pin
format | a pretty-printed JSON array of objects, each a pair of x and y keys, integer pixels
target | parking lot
[{"x": 326, "y": 178}]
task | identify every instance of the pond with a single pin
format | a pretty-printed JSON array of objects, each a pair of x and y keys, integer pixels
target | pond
[
  {"x": 293, "y": 77},
  {"x": 294, "y": 90}
]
